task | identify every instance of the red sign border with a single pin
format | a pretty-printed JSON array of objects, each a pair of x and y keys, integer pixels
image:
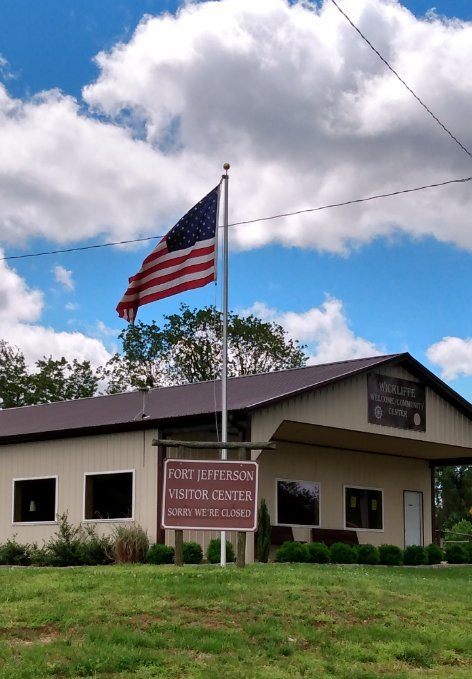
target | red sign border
[{"x": 237, "y": 529}]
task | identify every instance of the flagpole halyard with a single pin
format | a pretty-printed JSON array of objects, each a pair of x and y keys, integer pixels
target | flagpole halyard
[{"x": 224, "y": 367}]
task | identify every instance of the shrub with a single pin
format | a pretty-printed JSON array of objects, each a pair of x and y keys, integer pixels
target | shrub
[
  {"x": 390, "y": 555},
  {"x": 95, "y": 550},
  {"x": 159, "y": 554},
  {"x": 14, "y": 554},
  {"x": 340, "y": 552},
  {"x": 65, "y": 547},
  {"x": 368, "y": 554},
  {"x": 460, "y": 531},
  {"x": 414, "y": 555},
  {"x": 317, "y": 552},
  {"x": 434, "y": 554},
  {"x": 193, "y": 553},
  {"x": 456, "y": 553},
  {"x": 214, "y": 551},
  {"x": 295, "y": 552},
  {"x": 469, "y": 552},
  {"x": 130, "y": 544},
  {"x": 263, "y": 534}
]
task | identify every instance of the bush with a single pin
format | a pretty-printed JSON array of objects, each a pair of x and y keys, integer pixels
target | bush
[
  {"x": 95, "y": 550},
  {"x": 414, "y": 555},
  {"x": 456, "y": 553},
  {"x": 295, "y": 552},
  {"x": 434, "y": 554},
  {"x": 159, "y": 554},
  {"x": 214, "y": 551},
  {"x": 368, "y": 554},
  {"x": 263, "y": 533},
  {"x": 468, "y": 550},
  {"x": 340, "y": 552},
  {"x": 462, "y": 530},
  {"x": 192, "y": 552},
  {"x": 317, "y": 552},
  {"x": 130, "y": 544},
  {"x": 14, "y": 554},
  {"x": 64, "y": 548},
  {"x": 390, "y": 555}
]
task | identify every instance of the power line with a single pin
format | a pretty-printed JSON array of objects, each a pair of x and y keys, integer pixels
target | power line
[
  {"x": 252, "y": 221},
  {"x": 382, "y": 58}
]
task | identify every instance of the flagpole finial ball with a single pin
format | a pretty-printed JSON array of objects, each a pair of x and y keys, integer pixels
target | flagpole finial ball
[{"x": 226, "y": 166}]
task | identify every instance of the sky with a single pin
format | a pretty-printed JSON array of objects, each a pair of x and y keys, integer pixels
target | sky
[{"x": 117, "y": 116}]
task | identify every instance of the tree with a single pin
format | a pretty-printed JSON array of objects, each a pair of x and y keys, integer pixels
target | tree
[
  {"x": 52, "y": 380},
  {"x": 453, "y": 495},
  {"x": 188, "y": 349},
  {"x": 14, "y": 378}
]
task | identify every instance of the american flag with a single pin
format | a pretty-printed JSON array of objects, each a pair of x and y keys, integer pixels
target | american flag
[{"x": 183, "y": 260}]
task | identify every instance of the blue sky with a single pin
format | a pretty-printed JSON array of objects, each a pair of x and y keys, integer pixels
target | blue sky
[{"x": 316, "y": 122}]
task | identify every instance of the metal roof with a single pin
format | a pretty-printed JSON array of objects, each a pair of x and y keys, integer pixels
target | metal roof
[{"x": 119, "y": 412}]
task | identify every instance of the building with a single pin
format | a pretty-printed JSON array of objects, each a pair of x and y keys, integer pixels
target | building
[{"x": 356, "y": 446}]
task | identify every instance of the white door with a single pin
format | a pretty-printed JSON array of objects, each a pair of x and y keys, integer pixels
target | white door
[{"x": 413, "y": 512}]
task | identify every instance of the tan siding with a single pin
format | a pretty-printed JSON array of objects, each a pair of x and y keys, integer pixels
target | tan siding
[
  {"x": 344, "y": 405},
  {"x": 334, "y": 469},
  {"x": 70, "y": 459}
]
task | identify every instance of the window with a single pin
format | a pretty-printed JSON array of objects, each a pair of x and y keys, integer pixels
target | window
[
  {"x": 35, "y": 500},
  {"x": 298, "y": 503},
  {"x": 363, "y": 508},
  {"x": 109, "y": 496}
]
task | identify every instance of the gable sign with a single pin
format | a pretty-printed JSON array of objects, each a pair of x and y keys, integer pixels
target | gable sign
[{"x": 393, "y": 402}]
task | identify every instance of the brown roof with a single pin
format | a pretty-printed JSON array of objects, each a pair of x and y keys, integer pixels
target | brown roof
[{"x": 124, "y": 411}]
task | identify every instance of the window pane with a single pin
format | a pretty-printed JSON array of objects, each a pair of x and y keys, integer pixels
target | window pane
[
  {"x": 363, "y": 508},
  {"x": 34, "y": 500},
  {"x": 109, "y": 496},
  {"x": 298, "y": 503}
]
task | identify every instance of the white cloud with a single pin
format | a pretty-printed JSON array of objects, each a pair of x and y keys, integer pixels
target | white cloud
[
  {"x": 453, "y": 355},
  {"x": 289, "y": 94},
  {"x": 324, "y": 329},
  {"x": 72, "y": 306},
  {"x": 20, "y": 313},
  {"x": 63, "y": 276}
]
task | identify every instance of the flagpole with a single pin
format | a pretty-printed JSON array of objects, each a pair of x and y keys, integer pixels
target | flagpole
[{"x": 224, "y": 368}]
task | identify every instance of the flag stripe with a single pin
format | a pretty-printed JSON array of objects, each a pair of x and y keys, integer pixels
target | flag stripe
[
  {"x": 183, "y": 260},
  {"x": 172, "y": 262},
  {"x": 174, "y": 289},
  {"x": 203, "y": 268}
]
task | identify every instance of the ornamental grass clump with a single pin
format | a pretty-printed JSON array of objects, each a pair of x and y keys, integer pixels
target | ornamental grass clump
[
  {"x": 292, "y": 552},
  {"x": 368, "y": 554},
  {"x": 340, "y": 552},
  {"x": 160, "y": 554},
  {"x": 390, "y": 555},
  {"x": 415, "y": 555},
  {"x": 130, "y": 544},
  {"x": 317, "y": 552},
  {"x": 213, "y": 553}
]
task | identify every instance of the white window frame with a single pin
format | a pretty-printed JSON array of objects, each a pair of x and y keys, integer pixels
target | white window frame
[
  {"x": 297, "y": 525},
  {"x": 133, "y": 499},
  {"x": 56, "y": 498},
  {"x": 370, "y": 530}
]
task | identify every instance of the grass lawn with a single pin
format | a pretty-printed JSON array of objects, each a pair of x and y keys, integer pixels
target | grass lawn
[{"x": 266, "y": 621}]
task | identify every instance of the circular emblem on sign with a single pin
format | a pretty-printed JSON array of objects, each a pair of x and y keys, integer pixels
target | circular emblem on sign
[
  {"x": 417, "y": 419},
  {"x": 378, "y": 412}
]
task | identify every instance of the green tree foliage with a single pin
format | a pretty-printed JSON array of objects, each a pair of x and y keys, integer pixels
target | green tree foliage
[
  {"x": 51, "y": 380},
  {"x": 453, "y": 495},
  {"x": 188, "y": 349},
  {"x": 263, "y": 532}
]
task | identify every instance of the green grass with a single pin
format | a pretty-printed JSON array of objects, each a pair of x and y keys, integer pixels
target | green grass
[{"x": 267, "y": 621}]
